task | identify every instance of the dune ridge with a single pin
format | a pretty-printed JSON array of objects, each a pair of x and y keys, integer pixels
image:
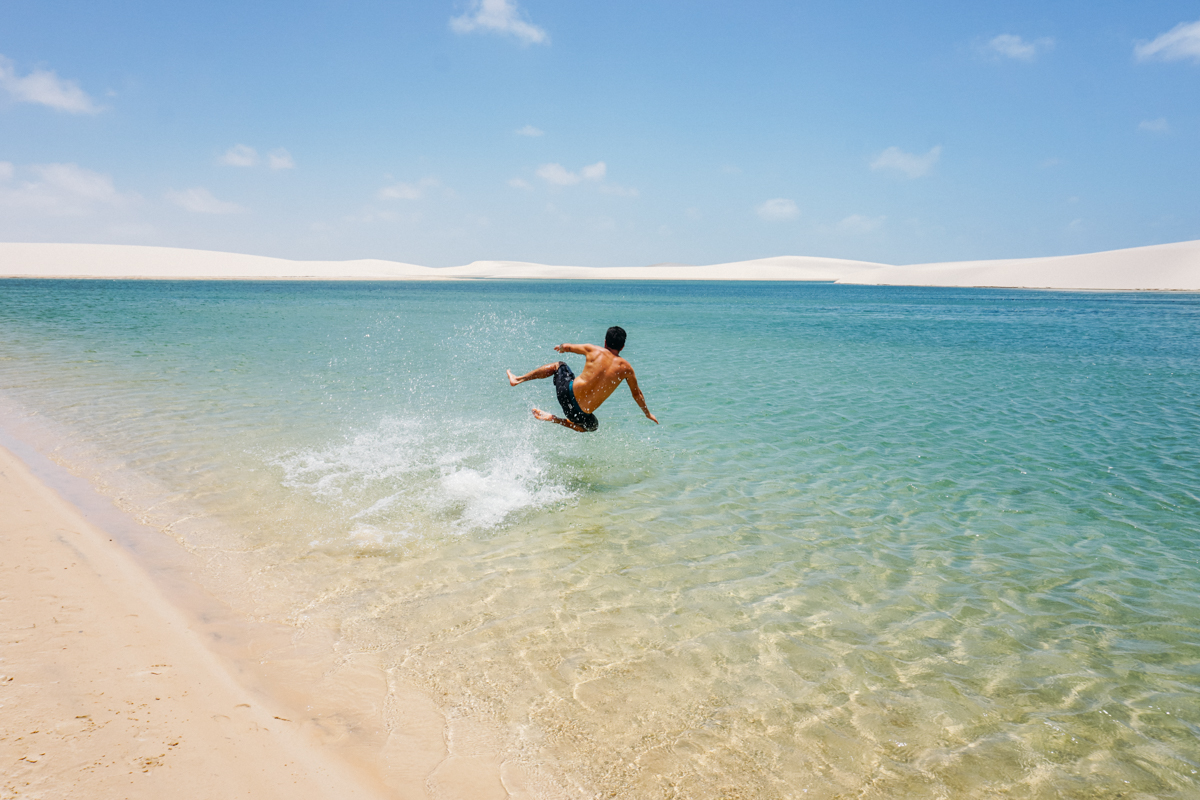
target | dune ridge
[{"x": 1163, "y": 267}]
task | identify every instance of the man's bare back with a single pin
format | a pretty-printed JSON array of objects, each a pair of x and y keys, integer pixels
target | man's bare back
[{"x": 580, "y": 397}]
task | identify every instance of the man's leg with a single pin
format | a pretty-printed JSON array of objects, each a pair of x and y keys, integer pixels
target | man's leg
[
  {"x": 561, "y": 384},
  {"x": 546, "y": 416},
  {"x": 537, "y": 374}
]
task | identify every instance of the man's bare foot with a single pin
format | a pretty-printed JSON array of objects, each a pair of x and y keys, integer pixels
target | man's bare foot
[
  {"x": 513, "y": 380},
  {"x": 544, "y": 416}
]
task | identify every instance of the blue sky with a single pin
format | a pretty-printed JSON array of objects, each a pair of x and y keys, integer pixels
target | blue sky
[{"x": 601, "y": 134}]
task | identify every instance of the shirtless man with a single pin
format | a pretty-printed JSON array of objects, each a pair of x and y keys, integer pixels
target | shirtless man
[{"x": 602, "y": 374}]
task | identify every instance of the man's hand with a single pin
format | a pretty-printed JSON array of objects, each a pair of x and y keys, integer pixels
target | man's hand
[
  {"x": 560, "y": 348},
  {"x": 651, "y": 417}
]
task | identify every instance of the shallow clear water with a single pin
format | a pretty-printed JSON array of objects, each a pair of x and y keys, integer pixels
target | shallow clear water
[{"x": 887, "y": 542}]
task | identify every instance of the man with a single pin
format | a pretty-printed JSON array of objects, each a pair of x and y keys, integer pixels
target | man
[{"x": 602, "y": 374}]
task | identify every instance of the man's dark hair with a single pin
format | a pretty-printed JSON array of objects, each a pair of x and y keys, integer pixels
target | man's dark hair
[{"x": 614, "y": 339}]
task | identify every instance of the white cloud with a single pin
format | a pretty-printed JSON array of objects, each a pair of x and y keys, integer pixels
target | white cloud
[
  {"x": 558, "y": 175},
  {"x": 529, "y": 130},
  {"x": 518, "y": 183},
  {"x": 239, "y": 155},
  {"x": 911, "y": 164},
  {"x": 1017, "y": 48},
  {"x": 46, "y": 89},
  {"x": 280, "y": 159},
  {"x": 1154, "y": 125},
  {"x": 78, "y": 181},
  {"x": 498, "y": 16},
  {"x": 201, "y": 201},
  {"x": 400, "y": 191},
  {"x": 60, "y": 190},
  {"x": 856, "y": 223},
  {"x": 242, "y": 155},
  {"x": 1179, "y": 43},
  {"x": 407, "y": 191},
  {"x": 778, "y": 210}
]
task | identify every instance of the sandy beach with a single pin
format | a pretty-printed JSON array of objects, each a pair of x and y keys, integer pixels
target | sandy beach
[
  {"x": 107, "y": 692},
  {"x": 1164, "y": 267}
]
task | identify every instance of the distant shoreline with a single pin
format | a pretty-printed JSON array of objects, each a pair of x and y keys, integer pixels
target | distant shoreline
[
  {"x": 1165, "y": 267},
  {"x": 326, "y": 279}
]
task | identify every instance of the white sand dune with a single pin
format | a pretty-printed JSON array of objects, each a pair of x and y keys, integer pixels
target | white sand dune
[
  {"x": 1157, "y": 267},
  {"x": 781, "y": 268},
  {"x": 1162, "y": 267},
  {"x": 135, "y": 261}
]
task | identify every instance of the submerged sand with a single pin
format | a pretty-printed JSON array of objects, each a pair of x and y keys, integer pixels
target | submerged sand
[{"x": 1164, "y": 267}]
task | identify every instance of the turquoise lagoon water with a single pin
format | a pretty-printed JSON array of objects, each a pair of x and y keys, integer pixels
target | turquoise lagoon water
[{"x": 887, "y": 542}]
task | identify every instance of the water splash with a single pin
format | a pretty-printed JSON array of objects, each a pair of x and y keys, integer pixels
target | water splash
[{"x": 448, "y": 475}]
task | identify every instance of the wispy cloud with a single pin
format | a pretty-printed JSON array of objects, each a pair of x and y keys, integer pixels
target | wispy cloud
[
  {"x": 1154, "y": 125},
  {"x": 857, "y": 223},
  {"x": 519, "y": 183},
  {"x": 46, "y": 89},
  {"x": 78, "y": 181},
  {"x": 529, "y": 130},
  {"x": 280, "y": 159},
  {"x": 1014, "y": 47},
  {"x": 407, "y": 191},
  {"x": 242, "y": 155},
  {"x": 910, "y": 164},
  {"x": 201, "y": 201},
  {"x": 60, "y": 190},
  {"x": 1180, "y": 43},
  {"x": 778, "y": 209},
  {"x": 558, "y": 175},
  {"x": 498, "y": 16},
  {"x": 239, "y": 155}
]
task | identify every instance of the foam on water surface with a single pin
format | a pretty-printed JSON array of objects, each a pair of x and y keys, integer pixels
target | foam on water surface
[
  {"x": 471, "y": 477},
  {"x": 887, "y": 542}
]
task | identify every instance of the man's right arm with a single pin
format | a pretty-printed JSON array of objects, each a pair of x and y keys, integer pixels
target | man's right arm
[
  {"x": 639, "y": 398},
  {"x": 577, "y": 349}
]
